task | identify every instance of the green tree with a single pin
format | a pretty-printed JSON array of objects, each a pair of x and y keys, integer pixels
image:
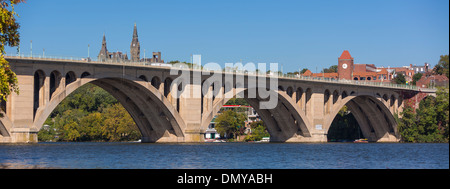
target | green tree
[
  {"x": 400, "y": 79},
  {"x": 303, "y": 70},
  {"x": 426, "y": 121},
  {"x": 331, "y": 69},
  {"x": 292, "y": 73},
  {"x": 88, "y": 97},
  {"x": 430, "y": 121},
  {"x": 229, "y": 123},
  {"x": 119, "y": 125},
  {"x": 407, "y": 125},
  {"x": 91, "y": 127},
  {"x": 89, "y": 114},
  {"x": 48, "y": 133},
  {"x": 416, "y": 77},
  {"x": 442, "y": 67},
  {"x": 237, "y": 101},
  {"x": 72, "y": 133},
  {"x": 9, "y": 36},
  {"x": 259, "y": 130},
  {"x": 68, "y": 124},
  {"x": 442, "y": 110}
]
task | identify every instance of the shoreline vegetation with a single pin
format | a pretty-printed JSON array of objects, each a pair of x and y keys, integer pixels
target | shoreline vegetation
[{"x": 89, "y": 114}]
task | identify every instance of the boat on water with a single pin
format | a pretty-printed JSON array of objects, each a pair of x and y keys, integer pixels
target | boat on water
[{"x": 362, "y": 140}]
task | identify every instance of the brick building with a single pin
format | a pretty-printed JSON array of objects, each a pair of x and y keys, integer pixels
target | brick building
[
  {"x": 433, "y": 81},
  {"x": 347, "y": 70}
]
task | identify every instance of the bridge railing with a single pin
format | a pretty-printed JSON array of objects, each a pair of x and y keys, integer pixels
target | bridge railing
[{"x": 283, "y": 76}]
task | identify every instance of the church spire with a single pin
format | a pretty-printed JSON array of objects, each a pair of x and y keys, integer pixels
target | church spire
[
  {"x": 103, "y": 54},
  {"x": 135, "y": 46},
  {"x": 135, "y": 31}
]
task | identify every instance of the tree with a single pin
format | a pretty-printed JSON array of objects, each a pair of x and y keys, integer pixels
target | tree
[
  {"x": 407, "y": 125},
  {"x": 331, "y": 69},
  {"x": 416, "y": 77},
  {"x": 119, "y": 125},
  {"x": 89, "y": 114},
  {"x": 400, "y": 79},
  {"x": 91, "y": 127},
  {"x": 303, "y": 70},
  {"x": 229, "y": 122},
  {"x": 442, "y": 67},
  {"x": 292, "y": 73},
  {"x": 430, "y": 121},
  {"x": 259, "y": 130},
  {"x": 237, "y": 101},
  {"x": 442, "y": 110},
  {"x": 426, "y": 121},
  {"x": 9, "y": 36}
]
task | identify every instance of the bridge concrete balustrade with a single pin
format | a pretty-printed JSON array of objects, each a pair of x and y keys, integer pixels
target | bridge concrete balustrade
[{"x": 169, "y": 109}]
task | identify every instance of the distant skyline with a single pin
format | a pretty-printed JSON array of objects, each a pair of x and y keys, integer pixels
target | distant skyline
[{"x": 296, "y": 34}]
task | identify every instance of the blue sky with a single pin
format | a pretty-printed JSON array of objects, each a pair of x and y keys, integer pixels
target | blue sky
[{"x": 297, "y": 34}]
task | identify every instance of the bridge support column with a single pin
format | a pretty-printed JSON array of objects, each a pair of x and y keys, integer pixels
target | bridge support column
[
  {"x": 21, "y": 114},
  {"x": 190, "y": 103},
  {"x": 318, "y": 130}
]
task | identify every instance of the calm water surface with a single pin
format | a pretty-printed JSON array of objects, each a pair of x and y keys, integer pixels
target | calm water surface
[{"x": 226, "y": 156}]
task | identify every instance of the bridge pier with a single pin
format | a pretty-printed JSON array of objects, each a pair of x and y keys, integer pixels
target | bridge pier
[
  {"x": 318, "y": 136},
  {"x": 24, "y": 135}
]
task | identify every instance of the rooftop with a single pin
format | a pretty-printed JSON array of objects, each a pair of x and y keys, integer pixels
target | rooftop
[{"x": 345, "y": 55}]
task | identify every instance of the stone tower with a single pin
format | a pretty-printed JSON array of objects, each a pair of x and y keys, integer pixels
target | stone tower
[
  {"x": 103, "y": 54},
  {"x": 135, "y": 48},
  {"x": 345, "y": 66}
]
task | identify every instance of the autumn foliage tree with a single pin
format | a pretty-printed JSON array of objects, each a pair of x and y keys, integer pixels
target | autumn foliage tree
[
  {"x": 9, "y": 36},
  {"x": 89, "y": 114},
  {"x": 229, "y": 122}
]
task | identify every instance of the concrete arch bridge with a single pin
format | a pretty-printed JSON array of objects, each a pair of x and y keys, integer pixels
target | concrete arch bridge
[{"x": 170, "y": 107}]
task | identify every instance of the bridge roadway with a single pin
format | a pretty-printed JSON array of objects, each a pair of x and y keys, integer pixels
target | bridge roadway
[{"x": 179, "y": 107}]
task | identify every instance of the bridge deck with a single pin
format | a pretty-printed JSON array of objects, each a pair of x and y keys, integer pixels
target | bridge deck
[{"x": 284, "y": 76}]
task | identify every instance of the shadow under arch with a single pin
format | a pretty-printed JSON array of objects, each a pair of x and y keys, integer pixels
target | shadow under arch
[
  {"x": 5, "y": 125},
  {"x": 285, "y": 123},
  {"x": 376, "y": 121},
  {"x": 155, "y": 117}
]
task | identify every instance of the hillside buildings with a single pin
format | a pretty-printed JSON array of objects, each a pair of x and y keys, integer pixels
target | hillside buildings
[{"x": 348, "y": 70}]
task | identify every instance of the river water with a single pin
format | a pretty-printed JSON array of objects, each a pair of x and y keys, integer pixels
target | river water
[{"x": 226, "y": 156}]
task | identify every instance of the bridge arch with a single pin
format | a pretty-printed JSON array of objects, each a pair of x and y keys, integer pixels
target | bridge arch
[
  {"x": 156, "y": 118},
  {"x": 70, "y": 77},
  {"x": 85, "y": 74},
  {"x": 285, "y": 123},
  {"x": 38, "y": 90},
  {"x": 156, "y": 82},
  {"x": 55, "y": 81},
  {"x": 374, "y": 117},
  {"x": 143, "y": 78}
]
